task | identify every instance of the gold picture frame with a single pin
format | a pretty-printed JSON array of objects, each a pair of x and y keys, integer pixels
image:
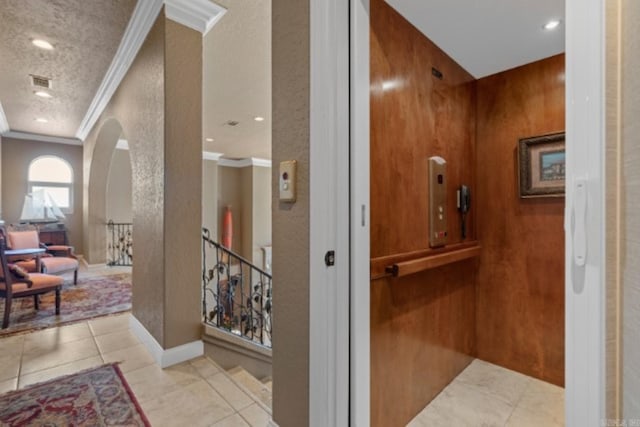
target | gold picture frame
[{"x": 541, "y": 161}]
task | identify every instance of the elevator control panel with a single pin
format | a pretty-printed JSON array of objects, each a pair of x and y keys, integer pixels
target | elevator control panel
[
  {"x": 287, "y": 184},
  {"x": 437, "y": 202}
]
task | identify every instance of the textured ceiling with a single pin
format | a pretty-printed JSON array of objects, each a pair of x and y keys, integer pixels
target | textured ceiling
[
  {"x": 488, "y": 36},
  {"x": 237, "y": 80},
  {"x": 85, "y": 34}
]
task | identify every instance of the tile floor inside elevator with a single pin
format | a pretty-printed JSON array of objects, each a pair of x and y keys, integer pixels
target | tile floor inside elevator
[{"x": 486, "y": 395}]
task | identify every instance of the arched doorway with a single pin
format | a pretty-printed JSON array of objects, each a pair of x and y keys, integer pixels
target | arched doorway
[
  {"x": 95, "y": 211},
  {"x": 119, "y": 207}
]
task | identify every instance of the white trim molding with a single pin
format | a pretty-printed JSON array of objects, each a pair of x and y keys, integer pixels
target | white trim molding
[
  {"x": 585, "y": 216},
  {"x": 243, "y": 163},
  {"x": 211, "y": 155},
  {"x": 199, "y": 15},
  {"x": 84, "y": 262},
  {"x": 122, "y": 144},
  {"x": 265, "y": 163},
  {"x": 144, "y": 15},
  {"x": 4, "y": 125},
  {"x": 329, "y": 226},
  {"x": 169, "y": 357},
  {"x": 360, "y": 360},
  {"x": 41, "y": 138}
]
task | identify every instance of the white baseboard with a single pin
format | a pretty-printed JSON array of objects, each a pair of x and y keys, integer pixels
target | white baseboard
[
  {"x": 169, "y": 357},
  {"x": 88, "y": 266}
]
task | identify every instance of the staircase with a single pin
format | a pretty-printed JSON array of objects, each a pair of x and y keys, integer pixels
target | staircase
[
  {"x": 260, "y": 390},
  {"x": 248, "y": 393},
  {"x": 236, "y": 309}
]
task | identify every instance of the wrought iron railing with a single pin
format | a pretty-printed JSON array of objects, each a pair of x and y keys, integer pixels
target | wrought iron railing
[
  {"x": 119, "y": 243},
  {"x": 236, "y": 293}
]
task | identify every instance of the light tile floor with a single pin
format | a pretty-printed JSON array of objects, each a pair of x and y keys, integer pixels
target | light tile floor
[
  {"x": 194, "y": 393},
  {"x": 488, "y": 395}
]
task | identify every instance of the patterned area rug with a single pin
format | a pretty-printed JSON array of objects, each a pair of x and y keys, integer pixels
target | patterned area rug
[
  {"x": 95, "y": 397},
  {"x": 92, "y": 297}
]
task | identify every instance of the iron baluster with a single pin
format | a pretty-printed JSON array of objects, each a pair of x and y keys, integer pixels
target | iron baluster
[
  {"x": 120, "y": 244},
  {"x": 231, "y": 299}
]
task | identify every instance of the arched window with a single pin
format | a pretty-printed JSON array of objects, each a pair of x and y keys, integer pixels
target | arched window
[{"x": 55, "y": 176}]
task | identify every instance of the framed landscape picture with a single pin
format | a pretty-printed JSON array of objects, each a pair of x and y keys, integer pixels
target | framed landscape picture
[{"x": 542, "y": 166}]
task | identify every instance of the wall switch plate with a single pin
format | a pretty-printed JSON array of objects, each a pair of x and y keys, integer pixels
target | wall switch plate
[{"x": 288, "y": 180}]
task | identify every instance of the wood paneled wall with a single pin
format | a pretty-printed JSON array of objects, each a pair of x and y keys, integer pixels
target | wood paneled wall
[
  {"x": 520, "y": 286},
  {"x": 422, "y": 326},
  {"x": 414, "y": 116}
]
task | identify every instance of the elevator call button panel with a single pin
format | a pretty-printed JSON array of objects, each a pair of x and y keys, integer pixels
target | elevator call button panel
[
  {"x": 437, "y": 202},
  {"x": 287, "y": 181}
]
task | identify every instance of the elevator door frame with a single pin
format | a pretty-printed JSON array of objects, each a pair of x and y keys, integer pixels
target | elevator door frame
[
  {"x": 585, "y": 285},
  {"x": 585, "y": 143}
]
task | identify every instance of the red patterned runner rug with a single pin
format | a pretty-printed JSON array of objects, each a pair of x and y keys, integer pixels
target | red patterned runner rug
[{"x": 95, "y": 397}]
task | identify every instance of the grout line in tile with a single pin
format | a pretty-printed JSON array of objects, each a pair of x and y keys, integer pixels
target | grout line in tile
[
  {"x": 223, "y": 398},
  {"x": 95, "y": 342},
  {"x": 231, "y": 415},
  {"x": 24, "y": 342},
  {"x": 243, "y": 417},
  {"x": 486, "y": 392},
  {"x": 517, "y": 403},
  {"x": 56, "y": 366},
  {"x": 245, "y": 390}
]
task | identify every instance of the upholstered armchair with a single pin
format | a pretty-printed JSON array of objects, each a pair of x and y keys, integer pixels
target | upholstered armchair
[
  {"x": 17, "y": 283},
  {"x": 57, "y": 260}
]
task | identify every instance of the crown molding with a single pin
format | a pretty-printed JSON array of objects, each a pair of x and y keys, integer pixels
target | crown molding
[
  {"x": 243, "y": 163},
  {"x": 265, "y": 163},
  {"x": 41, "y": 138},
  {"x": 123, "y": 144},
  {"x": 199, "y": 15},
  {"x": 144, "y": 15},
  {"x": 4, "y": 125},
  {"x": 211, "y": 155}
]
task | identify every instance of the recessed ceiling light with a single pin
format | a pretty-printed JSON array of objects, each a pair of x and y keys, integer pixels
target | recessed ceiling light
[
  {"x": 551, "y": 24},
  {"x": 43, "y": 94},
  {"x": 209, "y": 139},
  {"x": 42, "y": 44},
  {"x": 258, "y": 119},
  {"x": 42, "y": 120}
]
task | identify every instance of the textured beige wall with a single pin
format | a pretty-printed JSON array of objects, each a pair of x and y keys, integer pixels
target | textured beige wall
[
  {"x": 290, "y": 140},
  {"x": 159, "y": 108},
  {"x": 138, "y": 106},
  {"x": 261, "y": 206},
  {"x": 183, "y": 184},
  {"x": 17, "y": 154},
  {"x": 98, "y": 149},
  {"x": 119, "y": 185},
  {"x": 248, "y": 191},
  {"x": 229, "y": 194},
  {"x": 630, "y": 204},
  {"x": 210, "y": 197}
]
